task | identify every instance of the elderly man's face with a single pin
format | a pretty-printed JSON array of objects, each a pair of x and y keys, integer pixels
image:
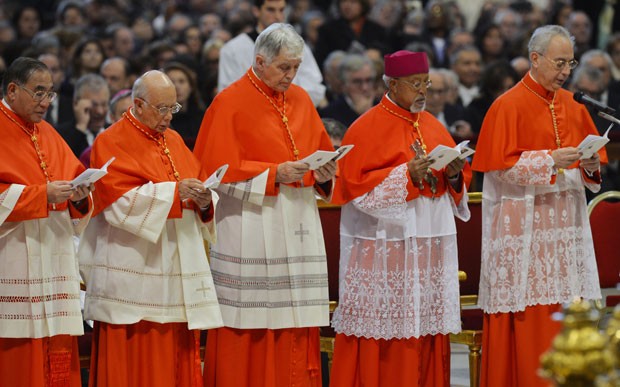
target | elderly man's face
[
  {"x": 410, "y": 92},
  {"x": 21, "y": 98},
  {"x": 599, "y": 62},
  {"x": 114, "y": 74},
  {"x": 360, "y": 82},
  {"x": 437, "y": 94},
  {"x": 147, "y": 108},
  {"x": 121, "y": 107},
  {"x": 99, "y": 107},
  {"x": 545, "y": 66},
  {"x": 280, "y": 72},
  {"x": 468, "y": 67}
]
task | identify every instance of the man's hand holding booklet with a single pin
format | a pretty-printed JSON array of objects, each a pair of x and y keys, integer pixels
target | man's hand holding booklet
[
  {"x": 321, "y": 157},
  {"x": 592, "y": 143},
  {"x": 216, "y": 177},
  {"x": 444, "y": 155},
  {"x": 91, "y": 175}
]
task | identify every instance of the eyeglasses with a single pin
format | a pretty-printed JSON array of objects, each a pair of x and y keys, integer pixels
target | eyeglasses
[
  {"x": 432, "y": 91},
  {"x": 39, "y": 95},
  {"x": 417, "y": 85},
  {"x": 362, "y": 81},
  {"x": 561, "y": 63},
  {"x": 174, "y": 109}
]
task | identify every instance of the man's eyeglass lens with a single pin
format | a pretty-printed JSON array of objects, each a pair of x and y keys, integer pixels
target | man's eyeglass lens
[{"x": 38, "y": 95}]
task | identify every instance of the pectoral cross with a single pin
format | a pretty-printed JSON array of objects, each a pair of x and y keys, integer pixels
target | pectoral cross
[
  {"x": 431, "y": 179},
  {"x": 302, "y": 232},
  {"x": 203, "y": 289}
]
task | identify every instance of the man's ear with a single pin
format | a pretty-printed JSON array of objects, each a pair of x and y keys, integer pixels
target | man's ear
[
  {"x": 534, "y": 56},
  {"x": 260, "y": 62},
  {"x": 10, "y": 91},
  {"x": 137, "y": 104}
]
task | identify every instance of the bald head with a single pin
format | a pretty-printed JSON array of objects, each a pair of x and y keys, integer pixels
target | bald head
[
  {"x": 153, "y": 80},
  {"x": 153, "y": 94}
]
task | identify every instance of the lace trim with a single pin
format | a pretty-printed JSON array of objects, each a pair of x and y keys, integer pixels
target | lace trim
[
  {"x": 388, "y": 199},
  {"x": 398, "y": 289},
  {"x": 537, "y": 251},
  {"x": 533, "y": 168}
]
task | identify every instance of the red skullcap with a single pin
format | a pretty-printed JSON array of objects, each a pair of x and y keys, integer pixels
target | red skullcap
[{"x": 403, "y": 63}]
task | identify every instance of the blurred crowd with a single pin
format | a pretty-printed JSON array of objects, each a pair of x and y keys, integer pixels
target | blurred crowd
[{"x": 477, "y": 48}]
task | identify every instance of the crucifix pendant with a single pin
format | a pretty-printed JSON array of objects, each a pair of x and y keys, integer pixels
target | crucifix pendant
[{"x": 431, "y": 179}]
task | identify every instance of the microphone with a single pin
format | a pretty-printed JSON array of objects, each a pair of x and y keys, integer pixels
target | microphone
[{"x": 584, "y": 99}]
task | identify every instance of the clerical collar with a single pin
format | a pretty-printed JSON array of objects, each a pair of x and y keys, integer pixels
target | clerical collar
[
  {"x": 29, "y": 125},
  {"x": 531, "y": 82},
  {"x": 134, "y": 120},
  {"x": 263, "y": 86},
  {"x": 387, "y": 95}
]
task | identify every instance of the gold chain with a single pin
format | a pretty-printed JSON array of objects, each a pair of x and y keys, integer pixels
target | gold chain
[
  {"x": 416, "y": 123},
  {"x": 163, "y": 145},
  {"x": 558, "y": 142},
  {"x": 429, "y": 177},
  {"x": 33, "y": 137},
  {"x": 282, "y": 115}
]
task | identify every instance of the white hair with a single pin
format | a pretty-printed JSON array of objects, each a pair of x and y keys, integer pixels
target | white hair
[
  {"x": 542, "y": 36},
  {"x": 278, "y": 37}
]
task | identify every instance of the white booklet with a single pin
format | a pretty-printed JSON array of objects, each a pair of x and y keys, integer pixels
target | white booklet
[
  {"x": 592, "y": 143},
  {"x": 444, "y": 155},
  {"x": 322, "y": 157},
  {"x": 215, "y": 179},
  {"x": 91, "y": 175},
  {"x": 464, "y": 149}
]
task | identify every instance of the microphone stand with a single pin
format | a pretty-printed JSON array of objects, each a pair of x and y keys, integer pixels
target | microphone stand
[{"x": 610, "y": 118}]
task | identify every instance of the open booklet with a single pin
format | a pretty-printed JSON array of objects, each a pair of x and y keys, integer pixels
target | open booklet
[
  {"x": 321, "y": 157},
  {"x": 592, "y": 143},
  {"x": 444, "y": 155},
  {"x": 91, "y": 175},
  {"x": 216, "y": 177}
]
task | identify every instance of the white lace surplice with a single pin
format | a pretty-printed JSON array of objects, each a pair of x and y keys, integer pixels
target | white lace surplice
[
  {"x": 536, "y": 240},
  {"x": 398, "y": 263}
]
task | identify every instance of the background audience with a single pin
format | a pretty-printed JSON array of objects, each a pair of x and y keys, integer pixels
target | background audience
[{"x": 464, "y": 40}]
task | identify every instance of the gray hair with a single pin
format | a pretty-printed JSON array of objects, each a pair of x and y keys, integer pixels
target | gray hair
[
  {"x": 542, "y": 36},
  {"x": 352, "y": 63},
  {"x": 454, "y": 57},
  {"x": 334, "y": 128},
  {"x": 386, "y": 80},
  {"x": 503, "y": 13},
  {"x": 587, "y": 72},
  {"x": 590, "y": 54},
  {"x": 452, "y": 80},
  {"x": 334, "y": 56},
  {"x": 89, "y": 82},
  {"x": 278, "y": 37}
]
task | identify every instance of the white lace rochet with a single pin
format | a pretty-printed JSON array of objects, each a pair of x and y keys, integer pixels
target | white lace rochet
[
  {"x": 398, "y": 266},
  {"x": 536, "y": 239}
]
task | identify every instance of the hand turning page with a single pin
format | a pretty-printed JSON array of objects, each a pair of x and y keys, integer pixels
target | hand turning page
[
  {"x": 91, "y": 175},
  {"x": 592, "y": 143}
]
